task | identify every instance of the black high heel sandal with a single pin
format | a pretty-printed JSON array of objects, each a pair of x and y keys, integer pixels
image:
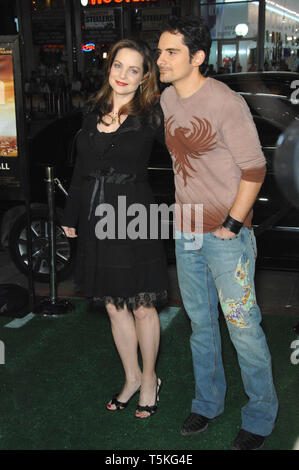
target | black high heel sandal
[
  {"x": 150, "y": 409},
  {"x": 119, "y": 405}
]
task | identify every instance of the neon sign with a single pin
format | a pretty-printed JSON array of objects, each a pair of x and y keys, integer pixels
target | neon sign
[
  {"x": 107, "y": 2},
  {"x": 88, "y": 47}
]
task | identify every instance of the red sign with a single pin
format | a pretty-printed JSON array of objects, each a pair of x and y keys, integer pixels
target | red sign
[
  {"x": 106, "y": 2},
  {"x": 88, "y": 47}
]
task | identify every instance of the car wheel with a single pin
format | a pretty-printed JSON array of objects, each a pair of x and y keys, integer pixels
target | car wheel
[{"x": 40, "y": 230}]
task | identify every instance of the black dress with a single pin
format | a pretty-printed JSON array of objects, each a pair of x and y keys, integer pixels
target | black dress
[{"x": 110, "y": 175}]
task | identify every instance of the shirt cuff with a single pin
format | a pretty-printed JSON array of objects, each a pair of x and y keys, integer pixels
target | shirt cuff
[{"x": 255, "y": 175}]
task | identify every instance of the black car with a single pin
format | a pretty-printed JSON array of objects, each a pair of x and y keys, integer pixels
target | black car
[{"x": 271, "y": 98}]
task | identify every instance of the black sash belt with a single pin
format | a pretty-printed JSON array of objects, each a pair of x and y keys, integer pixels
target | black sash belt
[{"x": 108, "y": 175}]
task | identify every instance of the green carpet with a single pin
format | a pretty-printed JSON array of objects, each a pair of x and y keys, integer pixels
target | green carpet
[{"x": 60, "y": 372}]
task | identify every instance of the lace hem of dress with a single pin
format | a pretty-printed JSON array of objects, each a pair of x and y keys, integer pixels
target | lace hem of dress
[{"x": 143, "y": 299}]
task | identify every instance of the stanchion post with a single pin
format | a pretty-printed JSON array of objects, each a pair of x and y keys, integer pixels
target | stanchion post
[
  {"x": 52, "y": 226},
  {"x": 52, "y": 306}
]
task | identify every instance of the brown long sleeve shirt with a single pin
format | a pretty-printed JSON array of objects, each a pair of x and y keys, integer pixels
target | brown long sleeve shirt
[{"x": 213, "y": 142}]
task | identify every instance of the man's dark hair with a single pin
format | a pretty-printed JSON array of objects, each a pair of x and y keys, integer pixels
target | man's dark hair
[{"x": 196, "y": 35}]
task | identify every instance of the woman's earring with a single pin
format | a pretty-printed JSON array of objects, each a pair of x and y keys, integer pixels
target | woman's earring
[{"x": 141, "y": 87}]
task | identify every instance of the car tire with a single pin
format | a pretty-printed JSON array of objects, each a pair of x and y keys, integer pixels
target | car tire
[{"x": 65, "y": 248}]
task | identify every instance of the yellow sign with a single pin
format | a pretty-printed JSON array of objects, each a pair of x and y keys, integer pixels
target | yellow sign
[{"x": 8, "y": 128}]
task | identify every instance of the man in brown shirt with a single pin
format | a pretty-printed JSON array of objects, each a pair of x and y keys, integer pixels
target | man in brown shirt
[{"x": 218, "y": 166}]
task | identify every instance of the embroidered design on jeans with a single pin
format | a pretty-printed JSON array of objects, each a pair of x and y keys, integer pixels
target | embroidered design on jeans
[{"x": 235, "y": 310}]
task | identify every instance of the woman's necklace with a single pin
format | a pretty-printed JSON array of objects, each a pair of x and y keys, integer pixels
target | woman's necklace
[{"x": 113, "y": 116}]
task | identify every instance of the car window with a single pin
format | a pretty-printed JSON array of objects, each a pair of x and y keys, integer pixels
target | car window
[{"x": 280, "y": 85}]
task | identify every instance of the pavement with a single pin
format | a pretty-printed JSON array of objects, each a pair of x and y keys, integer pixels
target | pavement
[{"x": 277, "y": 291}]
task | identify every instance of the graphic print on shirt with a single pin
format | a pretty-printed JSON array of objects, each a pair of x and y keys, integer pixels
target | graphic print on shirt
[{"x": 185, "y": 144}]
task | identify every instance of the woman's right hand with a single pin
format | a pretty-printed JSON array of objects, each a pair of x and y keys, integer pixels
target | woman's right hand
[{"x": 70, "y": 232}]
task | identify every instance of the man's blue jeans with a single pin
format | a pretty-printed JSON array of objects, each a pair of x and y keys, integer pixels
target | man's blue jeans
[{"x": 223, "y": 270}]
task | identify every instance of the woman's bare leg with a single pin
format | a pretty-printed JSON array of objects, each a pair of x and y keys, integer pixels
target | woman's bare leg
[
  {"x": 148, "y": 334},
  {"x": 125, "y": 338}
]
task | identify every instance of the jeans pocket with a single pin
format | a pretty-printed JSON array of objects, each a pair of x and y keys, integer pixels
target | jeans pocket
[{"x": 225, "y": 239}]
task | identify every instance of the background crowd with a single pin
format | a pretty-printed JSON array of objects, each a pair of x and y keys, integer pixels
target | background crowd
[{"x": 53, "y": 94}]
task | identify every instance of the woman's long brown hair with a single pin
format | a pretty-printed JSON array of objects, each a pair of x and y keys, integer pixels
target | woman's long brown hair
[{"x": 146, "y": 96}]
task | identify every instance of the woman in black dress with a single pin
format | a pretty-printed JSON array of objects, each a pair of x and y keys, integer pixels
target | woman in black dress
[{"x": 125, "y": 268}]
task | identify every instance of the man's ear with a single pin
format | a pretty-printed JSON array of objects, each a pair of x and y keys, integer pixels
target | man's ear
[{"x": 198, "y": 58}]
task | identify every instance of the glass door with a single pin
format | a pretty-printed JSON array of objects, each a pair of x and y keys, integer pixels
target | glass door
[{"x": 227, "y": 56}]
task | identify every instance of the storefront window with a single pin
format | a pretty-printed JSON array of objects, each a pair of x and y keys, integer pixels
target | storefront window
[
  {"x": 40, "y": 5},
  {"x": 233, "y": 50},
  {"x": 49, "y": 41},
  {"x": 101, "y": 27},
  {"x": 237, "y": 53},
  {"x": 282, "y": 39}
]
